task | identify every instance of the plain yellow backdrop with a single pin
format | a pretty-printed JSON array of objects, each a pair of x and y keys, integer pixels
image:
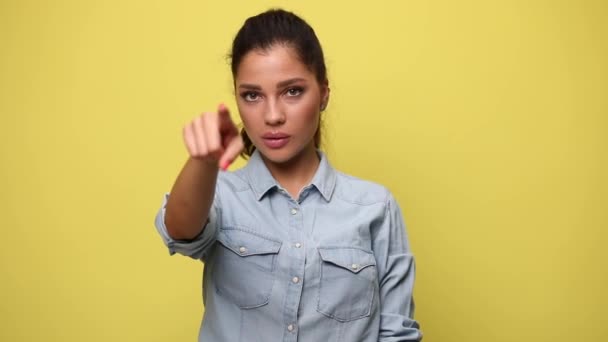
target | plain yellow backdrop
[{"x": 487, "y": 119}]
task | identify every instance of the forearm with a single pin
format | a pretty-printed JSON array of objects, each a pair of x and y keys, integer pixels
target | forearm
[
  {"x": 396, "y": 295},
  {"x": 191, "y": 199},
  {"x": 396, "y": 274}
]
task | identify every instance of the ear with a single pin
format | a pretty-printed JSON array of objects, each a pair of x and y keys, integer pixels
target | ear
[{"x": 324, "y": 95}]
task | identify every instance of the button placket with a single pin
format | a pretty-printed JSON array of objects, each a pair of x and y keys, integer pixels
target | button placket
[{"x": 295, "y": 219}]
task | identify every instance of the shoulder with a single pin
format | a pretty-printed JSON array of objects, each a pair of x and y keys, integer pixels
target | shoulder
[
  {"x": 360, "y": 191},
  {"x": 233, "y": 181}
]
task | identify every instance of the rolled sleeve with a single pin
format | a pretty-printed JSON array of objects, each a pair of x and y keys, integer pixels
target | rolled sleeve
[
  {"x": 195, "y": 248},
  {"x": 396, "y": 272}
]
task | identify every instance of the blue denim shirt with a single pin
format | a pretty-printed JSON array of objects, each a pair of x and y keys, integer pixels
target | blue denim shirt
[{"x": 332, "y": 265}]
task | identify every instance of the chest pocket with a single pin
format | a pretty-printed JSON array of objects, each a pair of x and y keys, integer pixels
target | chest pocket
[
  {"x": 244, "y": 270},
  {"x": 347, "y": 284}
]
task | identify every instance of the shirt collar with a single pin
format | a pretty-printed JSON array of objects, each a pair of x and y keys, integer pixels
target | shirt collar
[{"x": 261, "y": 179}]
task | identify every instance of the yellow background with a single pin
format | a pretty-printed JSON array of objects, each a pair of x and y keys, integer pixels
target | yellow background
[{"x": 487, "y": 119}]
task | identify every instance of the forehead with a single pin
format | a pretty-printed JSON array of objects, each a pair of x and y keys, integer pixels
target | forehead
[{"x": 272, "y": 65}]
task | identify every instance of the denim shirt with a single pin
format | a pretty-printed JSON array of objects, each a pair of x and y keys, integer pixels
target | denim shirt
[{"x": 332, "y": 265}]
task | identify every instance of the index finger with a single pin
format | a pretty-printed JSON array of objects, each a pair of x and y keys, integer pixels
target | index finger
[{"x": 226, "y": 124}]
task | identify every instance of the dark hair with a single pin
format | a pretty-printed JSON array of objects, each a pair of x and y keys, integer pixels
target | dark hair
[{"x": 277, "y": 26}]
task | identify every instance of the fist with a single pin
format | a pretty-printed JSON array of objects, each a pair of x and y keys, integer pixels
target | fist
[{"x": 213, "y": 137}]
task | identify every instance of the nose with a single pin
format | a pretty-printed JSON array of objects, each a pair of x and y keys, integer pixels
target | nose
[{"x": 274, "y": 114}]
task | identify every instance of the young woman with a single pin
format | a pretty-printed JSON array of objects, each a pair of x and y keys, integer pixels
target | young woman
[{"x": 293, "y": 249}]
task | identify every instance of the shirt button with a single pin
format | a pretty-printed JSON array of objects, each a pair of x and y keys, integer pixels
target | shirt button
[
  {"x": 290, "y": 327},
  {"x": 242, "y": 250},
  {"x": 354, "y": 266},
  {"x": 298, "y": 245},
  {"x": 294, "y": 211},
  {"x": 295, "y": 280}
]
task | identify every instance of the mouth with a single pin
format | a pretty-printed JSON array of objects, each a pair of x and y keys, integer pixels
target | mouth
[{"x": 275, "y": 140}]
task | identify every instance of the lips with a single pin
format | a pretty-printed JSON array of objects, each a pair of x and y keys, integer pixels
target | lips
[{"x": 275, "y": 140}]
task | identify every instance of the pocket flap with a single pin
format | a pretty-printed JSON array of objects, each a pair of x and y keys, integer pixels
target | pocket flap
[
  {"x": 352, "y": 259},
  {"x": 246, "y": 243}
]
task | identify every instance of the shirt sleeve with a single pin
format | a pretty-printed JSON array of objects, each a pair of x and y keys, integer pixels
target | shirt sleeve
[
  {"x": 195, "y": 248},
  {"x": 396, "y": 272}
]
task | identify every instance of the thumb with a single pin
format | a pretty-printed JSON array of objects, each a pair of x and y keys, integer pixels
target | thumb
[{"x": 231, "y": 152}]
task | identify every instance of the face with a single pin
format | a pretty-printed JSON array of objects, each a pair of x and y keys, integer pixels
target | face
[{"x": 280, "y": 101}]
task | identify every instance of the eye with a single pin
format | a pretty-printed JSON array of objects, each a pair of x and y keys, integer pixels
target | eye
[
  {"x": 250, "y": 96},
  {"x": 295, "y": 91}
]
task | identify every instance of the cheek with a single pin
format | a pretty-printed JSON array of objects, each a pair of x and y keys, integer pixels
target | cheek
[
  {"x": 310, "y": 114},
  {"x": 247, "y": 116}
]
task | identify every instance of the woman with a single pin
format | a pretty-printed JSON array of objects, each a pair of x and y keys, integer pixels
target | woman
[{"x": 293, "y": 249}]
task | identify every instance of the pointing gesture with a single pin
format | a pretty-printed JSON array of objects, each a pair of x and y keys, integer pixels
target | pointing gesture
[{"x": 213, "y": 137}]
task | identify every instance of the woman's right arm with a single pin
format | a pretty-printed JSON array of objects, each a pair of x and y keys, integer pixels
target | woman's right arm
[{"x": 213, "y": 141}]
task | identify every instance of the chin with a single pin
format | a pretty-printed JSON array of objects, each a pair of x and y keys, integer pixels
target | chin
[
  {"x": 280, "y": 156},
  {"x": 283, "y": 155}
]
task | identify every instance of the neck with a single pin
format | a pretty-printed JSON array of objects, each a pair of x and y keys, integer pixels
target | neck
[{"x": 295, "y": 173}]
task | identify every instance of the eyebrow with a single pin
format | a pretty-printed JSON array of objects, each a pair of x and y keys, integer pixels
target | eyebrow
[
  {"x": 289, "y": 82},
  {"x": 281, "y": 84}
]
